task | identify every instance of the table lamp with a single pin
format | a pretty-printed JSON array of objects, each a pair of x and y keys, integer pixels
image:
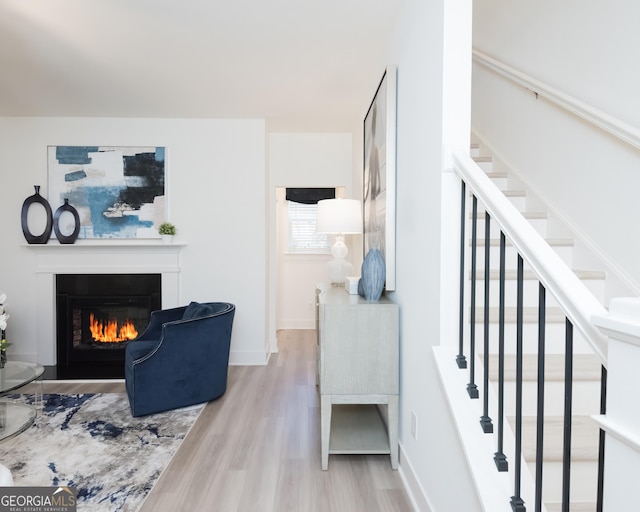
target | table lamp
[{"x": 339, "y": 217}]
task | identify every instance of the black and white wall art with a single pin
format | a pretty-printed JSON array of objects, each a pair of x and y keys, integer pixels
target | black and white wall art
[{"x": 379, "y": 179}]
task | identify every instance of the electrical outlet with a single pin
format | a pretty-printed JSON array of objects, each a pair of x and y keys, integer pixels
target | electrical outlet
[{"x": 414, "y": 425}]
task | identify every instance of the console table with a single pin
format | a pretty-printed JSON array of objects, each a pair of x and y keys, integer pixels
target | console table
[{"x": 357, "y": 374}]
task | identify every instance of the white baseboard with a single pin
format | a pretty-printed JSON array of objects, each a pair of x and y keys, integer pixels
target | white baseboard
[
  {"x": 416, "y": 493},
  {"x": 273, "y": 345}
]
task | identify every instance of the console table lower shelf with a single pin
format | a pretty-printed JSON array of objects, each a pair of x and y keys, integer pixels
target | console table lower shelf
[{"x": 359, "y": 429}]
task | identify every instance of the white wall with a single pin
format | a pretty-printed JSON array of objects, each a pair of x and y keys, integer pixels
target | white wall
[
  {"x": 419, "y": 51},
  {"x": 216, "y": 183},
  {"x": 588, "y": 50},
  {"x": 305, "y": 160}
]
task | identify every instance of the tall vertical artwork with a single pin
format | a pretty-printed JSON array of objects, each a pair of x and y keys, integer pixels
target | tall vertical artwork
[
  {"x": 119, "y": 192},
  {"x": 379, "y": 179}
]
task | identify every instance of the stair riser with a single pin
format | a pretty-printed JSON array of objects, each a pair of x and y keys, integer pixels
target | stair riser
[
  {"x": 586, "y": 398},
  {"x": 554, "y": 339},
  {"x": 586, "y": 367},
  {"x": 583, "y": 481},
  {"x": 530, "y": 292},
  {"x": 501, "y": 183},
  {"x": 540, "y": 226},
  {"x": 511, "y": 255},
  {"x": 580, "y": 448},
  {"x": 485, "y": 166},
  {"x": 520, "y": 202}
]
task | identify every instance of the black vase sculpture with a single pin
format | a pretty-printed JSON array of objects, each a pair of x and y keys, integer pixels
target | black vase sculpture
[
  {"x": 64, "y": 239},
  {"x": 36, "y": 199}
]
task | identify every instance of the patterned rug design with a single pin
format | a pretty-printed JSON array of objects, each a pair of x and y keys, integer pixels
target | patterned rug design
[{"x": 91, "y": 441}]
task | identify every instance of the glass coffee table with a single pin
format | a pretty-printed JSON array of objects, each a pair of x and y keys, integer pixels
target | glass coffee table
[{"x": 16, "y": 417}]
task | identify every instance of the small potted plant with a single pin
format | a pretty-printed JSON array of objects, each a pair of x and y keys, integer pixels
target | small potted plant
[
  {"x": 167, "y": 231},
  {"x": 4, "y": 345}
]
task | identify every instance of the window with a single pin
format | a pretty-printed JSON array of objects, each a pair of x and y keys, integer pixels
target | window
[{"x": 303, "y": 238}]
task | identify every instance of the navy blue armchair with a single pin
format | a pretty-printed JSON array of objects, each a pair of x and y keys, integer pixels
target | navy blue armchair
[{"x": 180, "y": 359}]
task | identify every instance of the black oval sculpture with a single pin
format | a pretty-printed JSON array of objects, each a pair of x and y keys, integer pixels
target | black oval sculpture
[
  {"x": 36, "y": 199},
  {"x": 66, "y": 207}
]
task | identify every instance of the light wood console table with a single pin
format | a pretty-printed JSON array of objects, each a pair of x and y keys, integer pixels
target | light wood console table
[{"x": 358, "y": 358}]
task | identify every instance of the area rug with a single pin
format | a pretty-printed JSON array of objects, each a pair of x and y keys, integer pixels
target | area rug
[{"x": 91, "y": 442}]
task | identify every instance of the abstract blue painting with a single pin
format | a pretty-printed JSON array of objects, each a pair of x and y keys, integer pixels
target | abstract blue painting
[{"x": 119, "y": 192}]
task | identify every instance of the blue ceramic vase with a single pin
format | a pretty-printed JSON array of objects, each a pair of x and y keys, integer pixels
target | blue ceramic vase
[{"x": 374, "y": 273}]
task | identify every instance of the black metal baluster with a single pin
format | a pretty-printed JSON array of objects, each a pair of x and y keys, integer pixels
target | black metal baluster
[
  {"x": 485, "y": 420},
  {"x": 472, "y": 389},
  {"x": 603, "y": 410},
  {"x": 540, "y": 404},
  {"x": 499, "y": 457},
  {"x": 517, "y": 503},
  {"x": 568, "y": 390},
  {"x": 461, "y": 359}
]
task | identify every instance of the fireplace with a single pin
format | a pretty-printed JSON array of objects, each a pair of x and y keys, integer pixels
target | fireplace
[{"x": 96, "y": 315}]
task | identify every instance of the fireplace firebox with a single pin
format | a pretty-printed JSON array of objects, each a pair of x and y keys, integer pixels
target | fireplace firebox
[{"x": 97, "y": 314}]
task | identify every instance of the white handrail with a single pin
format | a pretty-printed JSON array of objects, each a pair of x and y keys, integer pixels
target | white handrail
[
  {"x": 578, "y": 303},
  {"x": 624, "y": 131}
]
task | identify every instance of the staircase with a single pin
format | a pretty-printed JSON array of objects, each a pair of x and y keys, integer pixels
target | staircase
[{"x": 586, "y": 370}]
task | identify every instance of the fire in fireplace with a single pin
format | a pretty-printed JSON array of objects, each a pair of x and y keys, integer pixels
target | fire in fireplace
[
  {"x": 106, "y": 322},
  {"x": 97, "y": 314},
  {"x": 111, "y": 331}
]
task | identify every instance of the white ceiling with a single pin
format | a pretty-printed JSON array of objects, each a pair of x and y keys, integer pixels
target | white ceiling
[{"x": 311, "y": 62}]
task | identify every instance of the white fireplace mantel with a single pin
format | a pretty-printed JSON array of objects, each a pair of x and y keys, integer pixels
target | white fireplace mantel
[{"x": 98, "y": 257}]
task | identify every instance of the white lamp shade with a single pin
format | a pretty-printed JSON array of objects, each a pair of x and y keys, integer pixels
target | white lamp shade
[{"x": 339, "y": 216}]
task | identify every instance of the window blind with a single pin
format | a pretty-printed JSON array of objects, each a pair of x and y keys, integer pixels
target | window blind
[{"x": 303, "y": 209}]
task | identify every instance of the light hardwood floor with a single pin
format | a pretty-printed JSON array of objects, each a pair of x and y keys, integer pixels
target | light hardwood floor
[{"x": 257, "y": 448}]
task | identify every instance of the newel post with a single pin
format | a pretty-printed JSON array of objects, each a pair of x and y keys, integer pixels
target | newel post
[{"x": 621, "y": 423}]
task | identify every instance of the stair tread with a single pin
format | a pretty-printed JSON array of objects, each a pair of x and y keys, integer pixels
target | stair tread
[
  {"x": 496, "y": 175},
  {"x": 590, "y": 274},
  {"x": 511, "y": 275},
  {"x": 554, "y": 242},
  {"x": 529, "y": 314},
  {"x": 515, "y": 193},
  {"x": 526, "y": 215},
  {"x": 510, "y": 193},
  {"x": 586, "y": 367},
  {"x": 576, "y": 506},
  {"x": 584, "y": 438},
  {"x": 481, "y": 158}
]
